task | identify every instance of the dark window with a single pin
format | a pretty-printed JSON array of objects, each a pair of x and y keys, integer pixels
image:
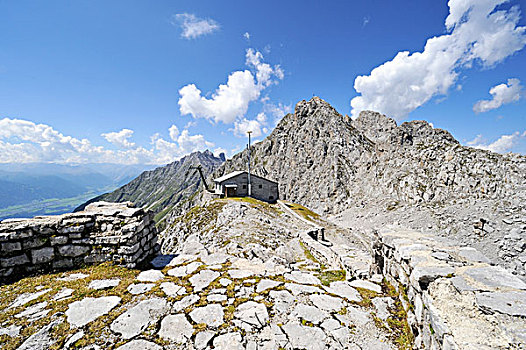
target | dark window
[
  {"x": 271, "y": 197},
  {"x": 244, "y": 187},
  {"x": 260, "y": 186}
]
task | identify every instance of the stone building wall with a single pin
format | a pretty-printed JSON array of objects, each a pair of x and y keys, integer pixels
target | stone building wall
[
  {"x": 454, "y": 296},
  {"x": 116, "y": 232}
]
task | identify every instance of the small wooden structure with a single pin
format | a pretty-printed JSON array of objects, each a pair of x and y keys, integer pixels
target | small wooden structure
[{"x": 236, "y": 184}]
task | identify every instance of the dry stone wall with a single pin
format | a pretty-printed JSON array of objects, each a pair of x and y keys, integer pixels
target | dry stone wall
[
  {"x": 116, "y": 232},
  {"x": 455, "y": 297}
]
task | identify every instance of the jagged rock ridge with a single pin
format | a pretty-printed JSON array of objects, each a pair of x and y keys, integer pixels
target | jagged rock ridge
[{"x": 327, "y": 161}]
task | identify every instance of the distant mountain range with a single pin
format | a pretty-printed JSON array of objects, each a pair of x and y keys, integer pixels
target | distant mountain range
[
  {"x": 42, "y": 188},
  {"x": 164, "y": 188}
]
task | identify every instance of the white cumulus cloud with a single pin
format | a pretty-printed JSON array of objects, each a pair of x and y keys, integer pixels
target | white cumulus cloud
[
  {"x": 193, "y": 26},
  {"x": 503, "y": 144},
  {"x": 255, "y": 125},
  {"x": 476, "y": 32},
  {"x": 501, "y": 94},
  {"x": 23, "y": 141},
  {"x": 120, "y": 138},
  {"x": 231, "y": 100}
]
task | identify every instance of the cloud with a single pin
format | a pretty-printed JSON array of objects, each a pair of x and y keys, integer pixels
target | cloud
[
  {"x": 255, "y": 125},
  {"x": 247, "y": 36},
  {"x": 501, "y": 94},
  {"x": 231, "y": 100},
  {"x": 477, "y": 32},
  {"x": 366, "y": 21},
  {"x": 120, "y": 138},
  {"x": 194, "y": 27},
  {"x": 503, "y": 144},
  {"x": 23, "y": 141},
  {"x": 174, "y": 132}
]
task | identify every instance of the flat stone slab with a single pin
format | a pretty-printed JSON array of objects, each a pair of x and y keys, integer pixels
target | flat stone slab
[
  {"x": 510, "y": 303},
  {"x": 181, "y": 259},
  {"x": 171, "y": 289},
  {"x": 11, "y": 331},
  {"x": 182, "y": 271},
  {"x": 87, "y": 310},
  {"x": 326, "y": 302},
  {"x": 40, "y": 340},
  {"x": 34, "y": 312},
  {"x": 366, "y": 285},
  {"x": 495, "y": 277},
  {"x": 64, "y": 293},
  {"x": 211, "y": 315},
  {"x": 185, "y": 302},
  {"x": 215, "y": 258},
  {"x": 266, "y": 284},
  {"x": 140, "y": 344},
  {"x": 309, "y": 313},
  {"x": 135, "y": 320},
  {"x": 73, "y": 277},
  {"x": 255, "y": 314},
  {"x": 472, "y": 255},
  {"x": 298, "y": 289},
  {"x": 25, "y": 298},
  {"x": 150, "y": 276},
  {"x": 225, "y": 282},
  {"x": 139, "y": 288},
  {"x": 104, "y": 284},
  {"x": 343, "y": 289},
  {"x": 214, "y": 298},
  {"x": 302, "y": 337},
  {"x": 176, "y": 328},
  {"x": 229, "y": 341},
  {"x": 202, "y": 339},
  {"x": 203, "y": 279},
  {"x": 73, "y": 339},
  {"x": 302, "y": 277},
  {"x": 240, "y": 273}
]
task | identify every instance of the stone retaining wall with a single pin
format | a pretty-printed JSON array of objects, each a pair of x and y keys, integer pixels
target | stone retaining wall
[
  {"x": 116, "y": 232},
  {"x": 456, "y": 299}
]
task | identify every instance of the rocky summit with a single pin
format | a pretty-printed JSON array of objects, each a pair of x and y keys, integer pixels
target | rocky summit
[{"x": 385, "y": 236}]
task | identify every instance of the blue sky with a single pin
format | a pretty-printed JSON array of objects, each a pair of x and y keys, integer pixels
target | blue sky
[{"x": 111, "y": 81}]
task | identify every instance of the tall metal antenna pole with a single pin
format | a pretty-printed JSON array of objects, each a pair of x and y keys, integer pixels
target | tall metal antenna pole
[{"x": 249, "y": 183}]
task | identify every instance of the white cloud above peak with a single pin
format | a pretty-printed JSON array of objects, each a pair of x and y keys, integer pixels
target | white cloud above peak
[
  {"x": 477, "y": 33},
  {"x": 230, "y": 101},
  {"x": 120, "y": 138},
  {"x": 501, "y": 94},
  {"x": 193, "y": 26}
]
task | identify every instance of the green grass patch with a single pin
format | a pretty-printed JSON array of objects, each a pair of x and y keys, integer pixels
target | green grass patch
[{"x": 328, "y": 276}]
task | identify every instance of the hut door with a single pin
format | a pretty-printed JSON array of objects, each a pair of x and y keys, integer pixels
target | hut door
[{"x": 231, "y": 192}]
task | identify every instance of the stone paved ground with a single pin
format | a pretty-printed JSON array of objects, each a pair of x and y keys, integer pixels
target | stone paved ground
[{"x": 202, "y": 298}]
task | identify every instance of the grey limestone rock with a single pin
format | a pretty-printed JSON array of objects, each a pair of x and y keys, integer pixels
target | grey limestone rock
[
  {"x": 344, "y": 289},
  {"x": 212, "y": 315},
  {"x": 150, "y": 276},
  {"x": 139, "y": 344},
  {"x": 203, "y": 279},
  {"x": 138, "y": 317},
  {"x": 252, "y": 313},
  {"x": 302, "y": 337},
  {"x": 84, "y": 311},
  {"x": 104, "y": 284},
  {"x": 176, "y": 328},
  {"x": 511, "y": 303}
]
